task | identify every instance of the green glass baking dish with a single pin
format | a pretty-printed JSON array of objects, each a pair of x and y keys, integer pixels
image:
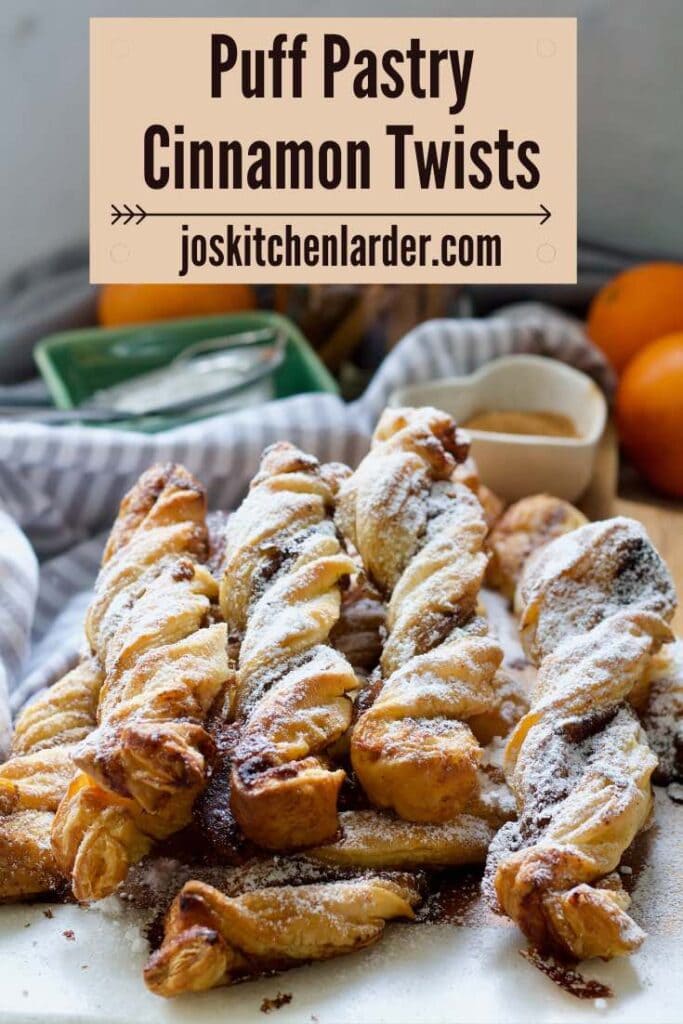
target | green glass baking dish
[{"x": 76, "y": 364}]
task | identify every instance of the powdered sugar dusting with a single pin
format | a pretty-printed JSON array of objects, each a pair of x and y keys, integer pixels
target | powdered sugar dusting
[
  {"x": 578, "y": 580},
  {"x": 592, "y": 604}
]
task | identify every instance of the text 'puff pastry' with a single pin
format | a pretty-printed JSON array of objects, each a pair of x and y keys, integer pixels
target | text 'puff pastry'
[
  {"x": 36, "y": 776},
  {"x": 211, "y": 939},
  {"x": 281, "y": 595},
  {"x": 420, "y": 536},
  {"x": 151, "y": 627},
  {"x": 578, "y": 762}
]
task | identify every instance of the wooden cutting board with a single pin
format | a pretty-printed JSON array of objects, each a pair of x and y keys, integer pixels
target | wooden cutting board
[{"x": 662, "y": 519}]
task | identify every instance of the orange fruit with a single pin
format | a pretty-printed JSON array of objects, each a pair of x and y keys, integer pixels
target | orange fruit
[
  {"x": 650, "y": 413},
  {"x": 140, "y": 303},
  {"x": 636, "y": 307}
]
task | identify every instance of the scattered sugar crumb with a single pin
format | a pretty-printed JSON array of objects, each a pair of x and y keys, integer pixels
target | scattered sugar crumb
[
  {"x": 48, "y": 913},
  {"x": 281, "y": 999},
  {"x": 625, "y": 870}
]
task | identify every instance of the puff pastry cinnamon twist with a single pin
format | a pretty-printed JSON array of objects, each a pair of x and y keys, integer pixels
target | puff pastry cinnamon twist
[
  {"x": 412, "y": 749},
  {"x": 420, "y": 536},
  {"x": 150, "y": 627},
  {"x": 280, "y": 595},
  {"x": 373, "y": 839},
  {"x": 36, "y": 776},
  {"x": 523, "y": 529},
  {"x": 574, "y": 583},
  {"x": 211, "y": 939},
  {"x": 594, "y": 610}
]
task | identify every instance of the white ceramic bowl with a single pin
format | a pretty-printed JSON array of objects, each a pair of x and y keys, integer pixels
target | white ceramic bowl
[{"x": 515, "y": 465}]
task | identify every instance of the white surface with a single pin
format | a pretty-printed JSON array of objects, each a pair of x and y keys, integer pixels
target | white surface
[
  {"x": 515, "y": 465},
  {"x": 432, "y": 974},
  {"x": 417, "y": 974}
]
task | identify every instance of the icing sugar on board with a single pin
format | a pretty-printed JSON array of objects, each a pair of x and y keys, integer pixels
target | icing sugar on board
[
  {"x": 461, "y": 962},
  {"x": 68, "y": 966}
]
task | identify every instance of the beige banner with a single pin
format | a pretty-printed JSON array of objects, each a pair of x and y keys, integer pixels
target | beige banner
[{"x": 445, "y": 150}]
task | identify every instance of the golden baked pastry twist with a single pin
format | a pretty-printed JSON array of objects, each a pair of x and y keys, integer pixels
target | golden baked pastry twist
[
  {"x": 420, "y": 536},
  {"x": 284, "y": 521},
  {"x": 151, "y": 627},
  {"x": 36, "y": 776},
  {"x": 376, "y": 840},
  {"x": 572, "y": 585},
  {"x": 165, "y": 495},
  {"x": 383, "y": 506},
  {"x": 522, "y": 530},
  {"x": 594, "y": 609},
  {"x": 164, "y": 666},
  {"x": 413, "y": 750},
  {"x": 281, "y": 595},
  {"x": 63, "y": 714},
  {"x": 211, "y": 939},
  {"x": 27, "y": 864}
]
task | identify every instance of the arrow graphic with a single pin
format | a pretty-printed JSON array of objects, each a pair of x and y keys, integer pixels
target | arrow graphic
[
  {"x": 137, "y": 215},
  {"x": 126, "y": 215}
]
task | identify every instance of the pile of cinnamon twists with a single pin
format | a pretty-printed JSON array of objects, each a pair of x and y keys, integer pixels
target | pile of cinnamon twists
[{"x": 330, "y": 681}]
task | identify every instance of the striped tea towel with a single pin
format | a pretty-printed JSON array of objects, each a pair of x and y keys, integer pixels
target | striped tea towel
[{"x": 61, "y": 486}]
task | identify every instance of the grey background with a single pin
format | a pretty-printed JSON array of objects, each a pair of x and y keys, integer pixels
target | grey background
[{"x": 630, "y": 111}]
